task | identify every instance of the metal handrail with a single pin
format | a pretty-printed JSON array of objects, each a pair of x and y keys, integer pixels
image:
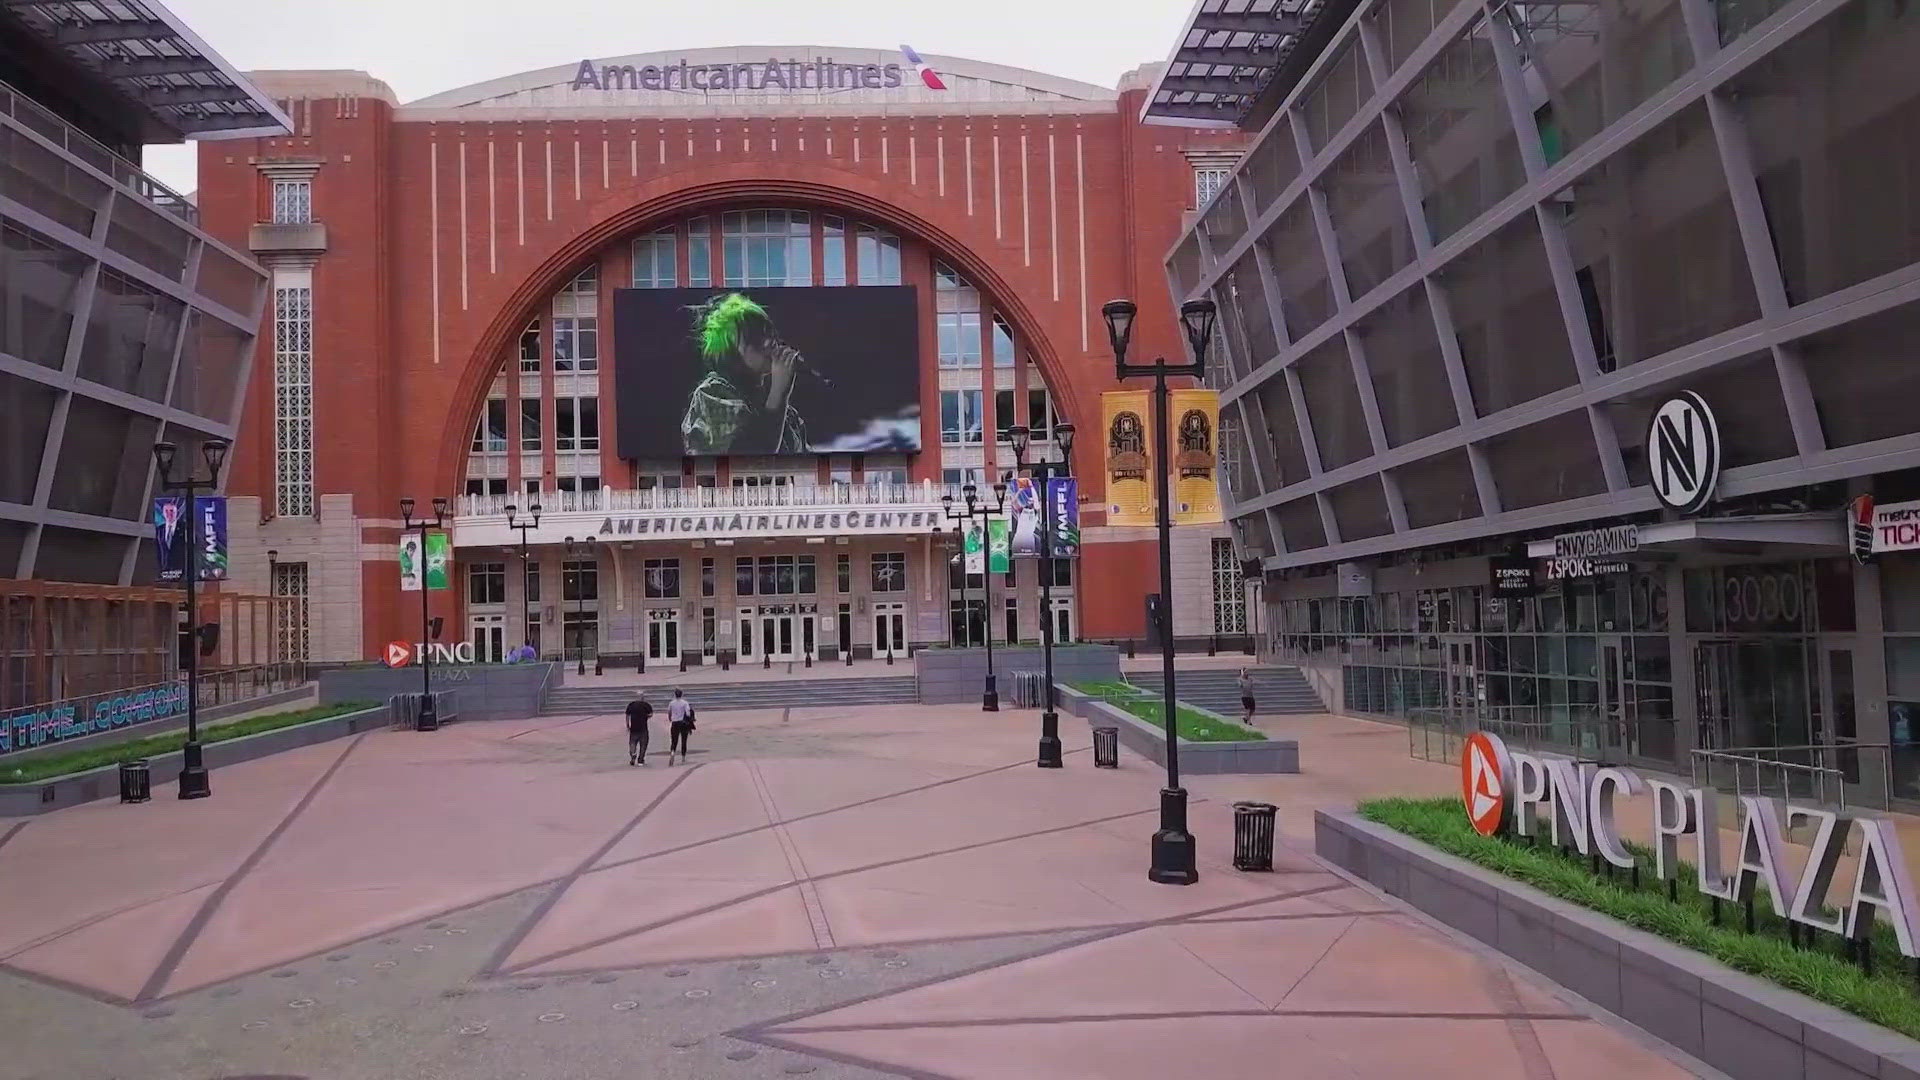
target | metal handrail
[
  {"x": 1824, "y": 775},
  {"x": 30, "y": 115}
]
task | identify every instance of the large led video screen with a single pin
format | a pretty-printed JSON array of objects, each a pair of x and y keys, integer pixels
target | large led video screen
[{"x": 766, "y": 371}]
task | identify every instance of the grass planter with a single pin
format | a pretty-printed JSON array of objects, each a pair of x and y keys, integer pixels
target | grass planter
[
  {"x": 92, "y": 774},
  {"x": 1145, "y": 736},
  {"x": 1751, "y": 1005}
]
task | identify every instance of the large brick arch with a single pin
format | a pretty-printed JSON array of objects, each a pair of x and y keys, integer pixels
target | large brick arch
[{"x": 673, "y": 197}]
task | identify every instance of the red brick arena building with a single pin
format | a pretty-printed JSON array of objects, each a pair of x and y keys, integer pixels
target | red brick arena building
[{"x": 494, "y": 295}]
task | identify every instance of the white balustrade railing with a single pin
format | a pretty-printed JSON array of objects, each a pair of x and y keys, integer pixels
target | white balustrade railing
[{"x": 611, "y": 501}]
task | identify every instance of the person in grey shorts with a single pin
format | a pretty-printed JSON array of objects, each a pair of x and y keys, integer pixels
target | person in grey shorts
[{"x": 679, "y": 725}]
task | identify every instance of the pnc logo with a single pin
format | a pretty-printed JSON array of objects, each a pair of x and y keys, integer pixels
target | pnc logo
[
  {"x": 398, "y": 654},
  {"x": 1485, "y": 770}
]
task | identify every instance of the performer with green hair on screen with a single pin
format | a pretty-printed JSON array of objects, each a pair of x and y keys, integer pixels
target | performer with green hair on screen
[{"x": 742, "y": 406}]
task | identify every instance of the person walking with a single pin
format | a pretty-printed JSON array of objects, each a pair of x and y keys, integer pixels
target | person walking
[
  {"x": 1246, "y": 695},
  {"x": 679, "y": 725},
  {"x": 639, "y": 712}
]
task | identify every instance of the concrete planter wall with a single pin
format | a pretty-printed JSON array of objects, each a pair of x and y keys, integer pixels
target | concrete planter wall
[
  {"x": 949, "y": 676},
  {"x": 486, "y": 691},
  {"x": 1741, "y": 1025},
  {"x": 1262, "y": 756},
  {"x": 177, "y": 721},
  {"x": 41, "y": 796}
]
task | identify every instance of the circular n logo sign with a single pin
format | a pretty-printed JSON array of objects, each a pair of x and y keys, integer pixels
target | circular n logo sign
[{"x": 1683, "y": 452}]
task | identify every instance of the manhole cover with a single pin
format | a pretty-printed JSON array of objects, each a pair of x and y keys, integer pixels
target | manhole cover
[
  {"x": 625, "y": 1006},
  {"x": 830, "y": 973},
  {"x": 456, "y": 930},
  {"x": 474, "y": 1029},
  {"x": 301, "y": 1003},
  {"x": 762, "y": 984},
  {"x": 423, "y": 948},
  {"x": 386, "y": 963},
  {"x": 253, "y": 1025},
  {"x": 552, "y": 1018},
  {"x": 346, "y": 980},
  {"x": 699, "y": 993},
  {"x": 896, "y": 963}
]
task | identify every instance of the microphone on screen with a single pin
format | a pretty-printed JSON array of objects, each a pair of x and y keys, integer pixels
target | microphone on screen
[{"x": 801, "y": 363}]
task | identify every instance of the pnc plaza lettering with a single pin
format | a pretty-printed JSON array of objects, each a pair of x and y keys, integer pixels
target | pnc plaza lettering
[{"x": 1505, "y": 791}]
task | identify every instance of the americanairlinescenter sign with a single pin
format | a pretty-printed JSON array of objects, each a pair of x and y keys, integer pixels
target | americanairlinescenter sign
[{"x": 807, "y": 523}]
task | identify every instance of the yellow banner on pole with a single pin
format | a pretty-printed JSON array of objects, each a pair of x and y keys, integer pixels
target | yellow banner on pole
[
  {"x": 1128, "y": 461},
  {"x": 1195, "y": 416}
]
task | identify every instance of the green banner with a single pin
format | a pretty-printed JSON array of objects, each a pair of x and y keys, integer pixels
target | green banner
[
  {"x": 999, "y": 546},
  {"x": 439, "y": 560}
]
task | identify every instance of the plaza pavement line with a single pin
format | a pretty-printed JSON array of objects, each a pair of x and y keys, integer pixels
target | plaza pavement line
[
  {"x": 13, "y": 832},
  {"x": 574, "y": 950},
  {"x": 796, "y": 864},
  {"x": 1526, "y": 1041},
  {"x": 561, "y": 885},
  {"x": 178, "y": 950}
]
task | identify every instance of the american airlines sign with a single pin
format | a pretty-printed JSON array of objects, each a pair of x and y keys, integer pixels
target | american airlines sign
[{"x": 1508, "y": 791}]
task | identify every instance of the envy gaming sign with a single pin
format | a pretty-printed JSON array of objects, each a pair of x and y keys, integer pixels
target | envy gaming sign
[{"x": 1511, "y": 791}]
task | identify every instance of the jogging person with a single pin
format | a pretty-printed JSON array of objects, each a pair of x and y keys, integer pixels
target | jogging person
[
  {"x": 639, "y": 712},
  {"x": 679, "y": 725},
  {"x": 1246, "y": 694}
]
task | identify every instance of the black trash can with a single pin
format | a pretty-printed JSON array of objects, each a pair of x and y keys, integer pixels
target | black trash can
[
  {"x": 1106, "y": 748},
  {"x": 136, "y": 782},
  {"x": 1253, "y": 836}
]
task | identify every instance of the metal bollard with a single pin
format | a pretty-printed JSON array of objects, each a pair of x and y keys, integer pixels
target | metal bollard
[
  {"x": 136, "y": 781},
  {"x": 809, "y": 660},
  {"x": 1106, "y": 748},
  {"x": 597, "y": 669},
  {"x": 1253, "y": 836},
  {"x": 1129, "y": 648},
  {"x": 847, "y": 655},
  {"x": 766, "y": 661}
]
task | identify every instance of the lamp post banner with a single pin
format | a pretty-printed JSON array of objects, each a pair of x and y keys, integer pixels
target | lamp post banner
[
  {"x": 1195, "y": 416},
  {"x": 170, "y": 536},
  {"x": 1063, "y": 511},
  {"x": 1129, "y": 458},
  {"x": 439, "y": 560},
  {"x": 212, "y": 557},
  {"x": 410, "y": 562},
  {"x": 1024, "y": 507},
  {"x": 998, "y": 560},
  {"x": 976, "y": 548}
]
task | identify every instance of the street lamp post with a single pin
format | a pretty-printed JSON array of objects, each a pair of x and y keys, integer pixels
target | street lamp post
[
  {"x": 1043, "y": 471},
  {"x": 579, "y": 603},
  {"x": 273, "y": 611},
  {"x": 1173, "y": 848},
  {"x": 975, "y": 510},
  {"x": 429, "y": 713},
  {"x": 194, "y": 783},
  {"x": 949, "y": 541},
  {"x": 523, "y": 527}
]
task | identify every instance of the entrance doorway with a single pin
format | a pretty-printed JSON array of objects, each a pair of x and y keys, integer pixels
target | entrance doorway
[
  {"x": 890, "y": 629},
  {"x": 1463, "y": 676},
  {"x": 663, "y": 634},
  {"x": 489, "y": 636},
  {"x": 780, "y": 634}
]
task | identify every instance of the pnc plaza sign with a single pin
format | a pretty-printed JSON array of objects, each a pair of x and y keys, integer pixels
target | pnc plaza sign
[{"x": 1505, "y": 790}]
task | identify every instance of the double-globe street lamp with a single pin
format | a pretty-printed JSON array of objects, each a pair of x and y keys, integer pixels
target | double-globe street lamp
[
  {"x": 429, "y": 718},
  {"x": 579, "y": 603},
  {"x": 194, "y": 783},
  {"x": 523, "y": 527},
  {"x": 1043, "y": 471},
  {"x": 972, "y": 509},
  {"x": 1173, "y": 851}
]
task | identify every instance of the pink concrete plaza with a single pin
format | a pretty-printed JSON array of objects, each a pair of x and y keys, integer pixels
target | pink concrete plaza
[{"x": 881, "y": 826}]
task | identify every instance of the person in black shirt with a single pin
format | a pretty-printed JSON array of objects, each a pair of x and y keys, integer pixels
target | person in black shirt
[{"x": 639, "y": 711}]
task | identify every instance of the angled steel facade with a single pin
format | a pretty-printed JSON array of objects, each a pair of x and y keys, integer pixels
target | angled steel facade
[
  {"x": 1476, "y": 246},
  {"x": 121, "y": 324}
]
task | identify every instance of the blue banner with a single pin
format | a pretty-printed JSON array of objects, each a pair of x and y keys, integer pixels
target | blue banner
[
  {"x": 81, "y": 717},
  {"x": 170, "y": 531},
  {"x": 1063, "y": 516},
  {"x": 213, "y": 538},
  {"x": 170, "y": 536}
]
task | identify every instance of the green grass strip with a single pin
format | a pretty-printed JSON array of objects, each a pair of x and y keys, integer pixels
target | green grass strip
[
  {"x": 1819, "y": 971},
  {"x": 1195, "y": 726},
  {"x": 46, "y": 766}
]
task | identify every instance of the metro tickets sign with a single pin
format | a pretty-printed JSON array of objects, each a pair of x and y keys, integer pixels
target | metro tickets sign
[
  {"x": 1895, "y": 526},
  {"x": 1508, "y": 791}
]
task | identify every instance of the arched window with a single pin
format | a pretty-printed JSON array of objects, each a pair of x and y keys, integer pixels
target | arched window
[{"x": 957, "y": 318}]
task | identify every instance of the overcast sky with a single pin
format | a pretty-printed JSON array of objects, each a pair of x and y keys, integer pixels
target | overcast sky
[{"x": 422, "y": 47}]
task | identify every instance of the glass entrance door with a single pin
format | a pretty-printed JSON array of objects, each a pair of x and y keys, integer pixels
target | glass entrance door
[
  {"x": 489, "y": 636},
  {"x": 889, "y": 629},
  {"x": 663, "y": 635},
  {"x": 1615, "y": 720},
  {"x": 777, "y": 639},
  {"x": 1842, "y": 718}
]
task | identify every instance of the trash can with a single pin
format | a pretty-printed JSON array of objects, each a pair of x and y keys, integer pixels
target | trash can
[
  {"x": 1106, "y": 748},
  {"x": 136, "y": 781},
  {"x": 1253, "y": 836}
]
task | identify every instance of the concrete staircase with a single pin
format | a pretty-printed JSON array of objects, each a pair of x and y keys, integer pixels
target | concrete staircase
[
  {"x": 716, "y": 697},
  {"x": 1276, "y": 690}
]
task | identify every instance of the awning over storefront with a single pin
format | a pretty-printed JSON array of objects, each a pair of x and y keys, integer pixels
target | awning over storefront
[{"x": 1778, "y": 534}]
